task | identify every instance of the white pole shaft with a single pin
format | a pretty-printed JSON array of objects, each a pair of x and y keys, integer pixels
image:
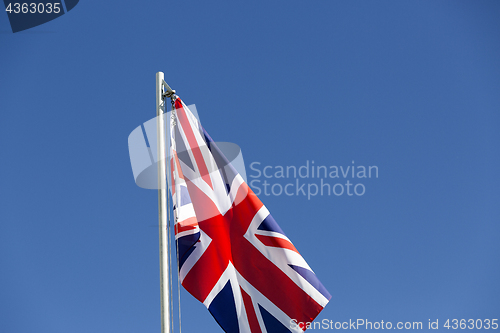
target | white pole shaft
[{"x": 162, "y": 206}]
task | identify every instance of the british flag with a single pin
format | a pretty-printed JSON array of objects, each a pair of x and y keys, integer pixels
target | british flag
[{"x": 233, "y": 256}]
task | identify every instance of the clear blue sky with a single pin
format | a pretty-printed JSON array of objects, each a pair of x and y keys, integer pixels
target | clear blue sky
[{"x": 412, "y": 87}]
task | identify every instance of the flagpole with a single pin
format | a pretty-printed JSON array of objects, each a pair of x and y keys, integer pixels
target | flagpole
[{"x": 162, "y": 206}]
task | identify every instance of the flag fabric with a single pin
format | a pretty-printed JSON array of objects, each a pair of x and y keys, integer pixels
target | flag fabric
[{"x": 232, "y": 255}]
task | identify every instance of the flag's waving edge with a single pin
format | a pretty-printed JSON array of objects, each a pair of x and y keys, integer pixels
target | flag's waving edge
[{"x": 233, "y": 256}]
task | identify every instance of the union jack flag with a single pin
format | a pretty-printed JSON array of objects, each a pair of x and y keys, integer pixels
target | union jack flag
[{"x": 233, "y": 256}]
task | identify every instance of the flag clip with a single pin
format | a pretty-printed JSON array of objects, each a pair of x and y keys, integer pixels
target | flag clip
[{"x": 169, "y": 94}]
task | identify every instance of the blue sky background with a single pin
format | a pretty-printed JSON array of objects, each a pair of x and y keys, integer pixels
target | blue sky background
[{"x": 412, "y": 87}]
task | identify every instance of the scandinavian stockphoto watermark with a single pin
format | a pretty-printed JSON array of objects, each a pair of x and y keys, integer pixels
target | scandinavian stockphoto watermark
[
  {"x": 143, "y": 151},
  {"x": 366, "y": 324},
  {"x": 310, "y": 179},
  {"x": 358, "y": 324}
]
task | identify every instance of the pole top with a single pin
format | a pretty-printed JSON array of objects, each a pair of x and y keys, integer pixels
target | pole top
[{"x": 165, "y": 88}]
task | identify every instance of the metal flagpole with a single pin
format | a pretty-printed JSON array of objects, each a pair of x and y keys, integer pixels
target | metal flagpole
[{"x": 162, "y": 205}]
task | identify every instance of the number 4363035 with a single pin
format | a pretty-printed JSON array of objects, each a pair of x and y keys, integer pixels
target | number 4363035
[
  {"x": 33, "y": 8},
  {"x": 471, "y": 324}
]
